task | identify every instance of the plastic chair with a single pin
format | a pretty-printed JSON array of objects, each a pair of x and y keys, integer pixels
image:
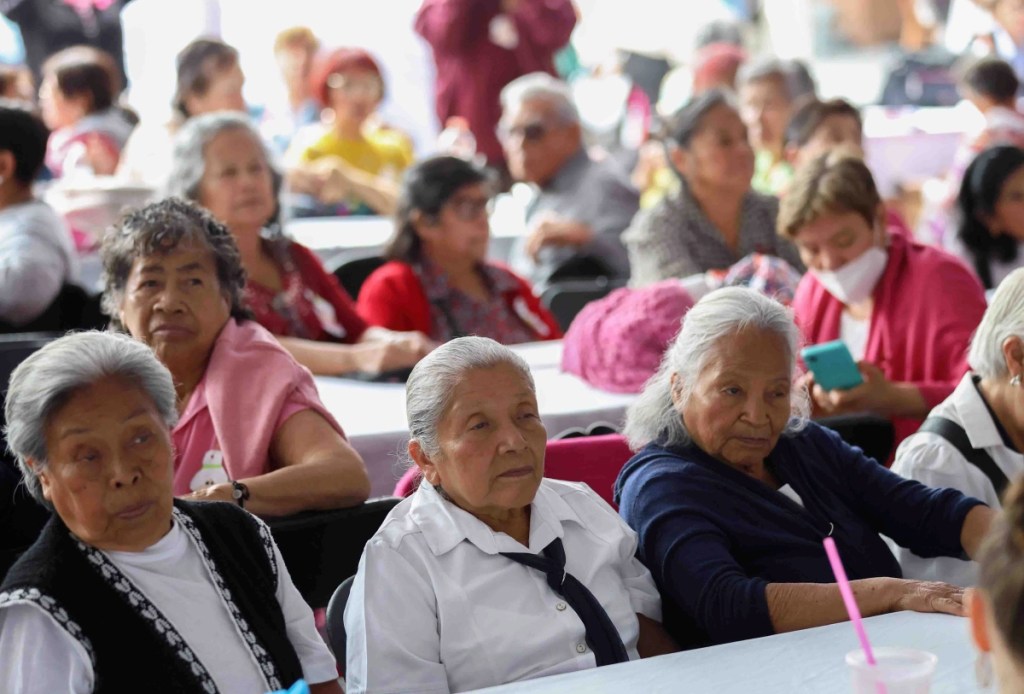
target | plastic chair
[
  {"x": 872, "y": 434},
  {"x": 352, "y": 273},
  {"x": 566, "y": 299},
  {"x": 595, "y": 460},
  {"x": 73, "y": 309},
  {"x": 322, "y": 548},
  {"x": 409, "y": 482},
  {"x": 336, "y": 636},
  {"x": 21, "y": 517}
]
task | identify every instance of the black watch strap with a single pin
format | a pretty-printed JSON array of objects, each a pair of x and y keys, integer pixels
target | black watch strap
[{"x": 240, "y": 492}]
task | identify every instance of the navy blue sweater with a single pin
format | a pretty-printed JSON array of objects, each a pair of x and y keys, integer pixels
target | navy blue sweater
[{"x": 715, "y": 537}]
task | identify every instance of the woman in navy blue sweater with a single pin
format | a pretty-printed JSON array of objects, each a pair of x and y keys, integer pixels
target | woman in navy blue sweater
[{"x": 733, "y": 490}]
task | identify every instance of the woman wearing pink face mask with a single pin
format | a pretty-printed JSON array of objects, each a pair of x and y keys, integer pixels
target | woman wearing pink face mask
[{"x": 906, "y": 311}]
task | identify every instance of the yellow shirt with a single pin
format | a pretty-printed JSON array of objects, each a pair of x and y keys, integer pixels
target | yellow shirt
[{"x": 379, "y": 152}]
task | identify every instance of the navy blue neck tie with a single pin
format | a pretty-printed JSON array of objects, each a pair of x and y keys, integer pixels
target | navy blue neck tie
[{"x": 602, "y": 636}]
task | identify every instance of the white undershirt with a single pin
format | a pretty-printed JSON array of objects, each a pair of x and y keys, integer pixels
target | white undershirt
[
  {"x": 38, "y": 655},
  {"x": 790, "y": 493},
  {"x": 854, "y": 332}
]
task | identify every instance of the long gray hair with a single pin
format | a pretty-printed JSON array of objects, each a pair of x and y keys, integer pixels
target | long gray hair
[
  {"x": 188, "y": 162},
  {"x": 654, "y": 417},
  {"x": 428, "y": 392},
  {"x": 43, "y": 383}
]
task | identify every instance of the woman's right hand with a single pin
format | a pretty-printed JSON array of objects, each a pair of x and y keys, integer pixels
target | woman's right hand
[
  {"x": 395, "y": 350},
  {"x": 929, "y": 596}
]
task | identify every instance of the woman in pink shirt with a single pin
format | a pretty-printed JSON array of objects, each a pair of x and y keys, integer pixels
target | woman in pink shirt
[
  {"x": 252, "y": 428},
  {"x": 906, "y": 311}
]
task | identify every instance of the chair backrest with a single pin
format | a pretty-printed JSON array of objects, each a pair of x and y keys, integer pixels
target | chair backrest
[
  {"x": 580, "y": 267},
  {"x": 352, "y": 273},
  {"x": 595, "y": 460},
  {"x": 409, "y": 482},
  {"x": 336, "y": 637},
  {"x": 21, "y": 518},
  {"x": 872, "y": 434},
  {"x": 566, "y": 299},
  {"x": 322, "y": 548},
  {"x": 72, "y": 309}
]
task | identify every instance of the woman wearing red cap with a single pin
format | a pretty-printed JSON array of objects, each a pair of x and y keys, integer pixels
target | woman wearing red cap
[{"x": 343, "y": 166}]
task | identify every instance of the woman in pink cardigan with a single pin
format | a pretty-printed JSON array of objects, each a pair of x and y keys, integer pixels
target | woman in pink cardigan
[
  {"x": 906, "y": 311},
  {"x": 251, "y": 428}
]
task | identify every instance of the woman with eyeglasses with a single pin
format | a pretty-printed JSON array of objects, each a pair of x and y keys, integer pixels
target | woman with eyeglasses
[
  {"x": 347, "y": 165},
  {"x": 438, "y": 280},
  {"x": 221, "y": 163}
]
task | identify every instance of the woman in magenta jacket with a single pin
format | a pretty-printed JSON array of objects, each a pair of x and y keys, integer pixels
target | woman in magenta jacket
[
  {"x": 906, "y": 311},
  {"x": 437, "y": 279}
]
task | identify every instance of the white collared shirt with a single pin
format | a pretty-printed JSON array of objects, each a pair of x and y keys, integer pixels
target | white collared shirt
[
  {"x": 436, "y": 608},
  {"x": 934, "y": 461}
]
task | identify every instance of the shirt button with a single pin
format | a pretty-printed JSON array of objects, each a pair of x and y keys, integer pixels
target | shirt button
[
  {"x": 561, "y": 606},
  {"x": 581, "y": 648}
]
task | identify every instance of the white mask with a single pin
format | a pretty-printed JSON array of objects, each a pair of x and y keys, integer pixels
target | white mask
[{"x": 854, "y": 282}]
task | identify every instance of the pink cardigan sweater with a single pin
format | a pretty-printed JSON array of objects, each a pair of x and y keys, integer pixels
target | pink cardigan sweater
[
  {"x": 250, "y": 388},
  {"x": 927, "y": 306}
]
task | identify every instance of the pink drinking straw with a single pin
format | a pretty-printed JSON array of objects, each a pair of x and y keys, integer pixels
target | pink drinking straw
[{"x": 851, "y": 604}]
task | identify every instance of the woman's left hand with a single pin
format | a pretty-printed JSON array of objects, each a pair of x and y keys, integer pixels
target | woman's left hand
[
  {"x": 213, "y": 492},
  {"x": 875, "y": 394}
]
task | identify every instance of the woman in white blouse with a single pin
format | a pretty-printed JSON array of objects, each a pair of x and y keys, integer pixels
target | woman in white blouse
[
  {"x": 463, "y": 586},
  {"x": 988, "y": 408},
  {"x": 128, "y": 589}
]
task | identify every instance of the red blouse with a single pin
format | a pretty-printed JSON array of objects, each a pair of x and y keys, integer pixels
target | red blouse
[
  {"x": 400, "y": 296},
  {"x": 311, "y": 303}
]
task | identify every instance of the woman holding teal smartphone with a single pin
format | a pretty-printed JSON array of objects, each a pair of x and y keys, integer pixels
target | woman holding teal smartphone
[{"x": 905, "y": 311}]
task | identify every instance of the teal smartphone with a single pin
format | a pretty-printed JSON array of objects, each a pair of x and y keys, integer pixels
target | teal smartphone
[{"x": 832, "y": 365}]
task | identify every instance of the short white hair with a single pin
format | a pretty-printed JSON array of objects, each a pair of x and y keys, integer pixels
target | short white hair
[
  {"x": 43, "y": 383},
  {"x": 653, "y": 415},
  {"x": 1003, "y": 319},
  {"x": 429, "y": 389},
  {"x": 543, "y": 87}
]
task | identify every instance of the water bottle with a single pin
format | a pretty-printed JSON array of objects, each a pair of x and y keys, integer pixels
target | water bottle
[{"x": 457, "y": 139}]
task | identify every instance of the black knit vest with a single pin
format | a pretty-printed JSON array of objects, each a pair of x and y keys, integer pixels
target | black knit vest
[{"x": 132, "y": 647}]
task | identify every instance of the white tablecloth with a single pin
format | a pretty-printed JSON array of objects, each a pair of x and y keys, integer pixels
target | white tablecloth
[
  {"x": 338, "y": 239},
  {"x": 802, "y": 662},
  {"x": 373, "y": 414}
]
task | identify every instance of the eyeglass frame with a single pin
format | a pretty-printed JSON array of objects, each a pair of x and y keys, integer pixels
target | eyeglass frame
[{"x": 531, "y": 132}]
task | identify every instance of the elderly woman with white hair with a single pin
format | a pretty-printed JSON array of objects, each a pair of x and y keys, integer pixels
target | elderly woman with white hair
[
  {"x": 973, "y": 440},
  {"x": 489, "y": 573},
  {"x": 732, "y": 490},
  {"x": 221, "y": 163},
  {"x": 128, "y": 589}
]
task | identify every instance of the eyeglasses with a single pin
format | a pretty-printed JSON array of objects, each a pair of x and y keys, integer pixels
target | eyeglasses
[
  {"x": 469, "y": 209},
  {"x": 355, "y": 87},
  {"x": 529, "y": 132}
]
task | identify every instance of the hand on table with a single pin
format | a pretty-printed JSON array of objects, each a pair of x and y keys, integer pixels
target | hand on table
[
  {"x": 383, "y": 350},
  {"x": 552, "y": 229},
  {"x": 930, "y": 596},
  {"x": 213, "y": 492}
]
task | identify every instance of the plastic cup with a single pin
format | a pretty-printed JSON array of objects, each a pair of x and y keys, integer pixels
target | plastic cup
[{"x": 898, "y": 671}]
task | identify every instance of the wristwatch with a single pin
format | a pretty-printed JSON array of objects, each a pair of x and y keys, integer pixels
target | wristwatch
[{"x": 239, "y": 492}]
